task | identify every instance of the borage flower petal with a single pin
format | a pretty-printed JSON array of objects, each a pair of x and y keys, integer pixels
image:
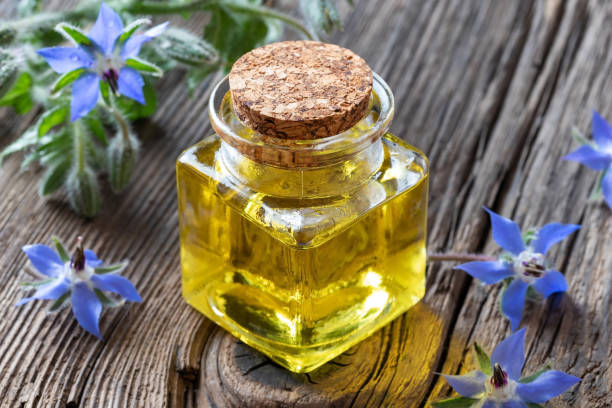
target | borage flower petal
[
  {"x": 468, "y": 385},
  {"x": 107, "y": 29},
  {"x": 85, "y": 94},
  {"x": 44, "y": 259},
  {"x": 488, "y": 272},
  {"x": 510, "y": 354},
  {"x": 132, "y": 46},
  {"x": 506, "y": 233},
  {"x": 513, "y": 302},
  {"x": 50, "y": 291},
  {"x": 602, "y": 132},
  {"x": 550, "y": 234},
  {"x": 590, "y": 157},
  {"x": 66, "y": 59},
  {"x": 551, "y": 282},
  {"x": 116, "y": 284},
  {"x": 86, "y": 308},
  {"x": 92, "y": 258},
  {"x": 130, "y": 84},
  {"x": 546, "y": 386}
]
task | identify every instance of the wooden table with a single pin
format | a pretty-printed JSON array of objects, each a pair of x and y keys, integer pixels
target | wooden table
[{"x": 489, "y": 89}]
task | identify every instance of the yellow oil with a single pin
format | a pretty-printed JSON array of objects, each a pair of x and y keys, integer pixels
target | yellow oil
[{"x": 302, "y": 278}]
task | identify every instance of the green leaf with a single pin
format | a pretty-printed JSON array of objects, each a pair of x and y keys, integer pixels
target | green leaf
[
  {"x": 54, "y": 178},
  {"x": 61, "y": 302},
  {"x": 94, "y": 125},
  {"x": 484, "y": 361},
  {"x": 61, "y": 249},
  {"x": 134, "y": 110},
  {"x": 9, "y": 71},
  {"x": 105, "y": 91},
  {"x": 19, "y": 95},
  {"x": 144, "y": 66},
  {"x": 459, "y": 402},
  {"x": 534, "y": 405},
  {"x": 535, "y": 375},
  {"x": 66, "y": 79},
  {"x": 51, "y": 118},
  {"x": 32, "y": 285},
  {"x": 132, "y": 27},
  {"x": 234, "y": 34},
  {"x": 111, "y": 268},
  {"x": 579, "y": 137},
  {"x": 29, "y": 138},
  {"x": 188, "y": 49},
  {"x": 106, "y": 301},
  {"x": 73, "y": 34}
]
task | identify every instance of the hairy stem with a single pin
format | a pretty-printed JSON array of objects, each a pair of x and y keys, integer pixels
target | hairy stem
[
  {"x": 79, "y": 146},
  {"x": 461, "y": 257},
  {"x": 124, "y": 127}
]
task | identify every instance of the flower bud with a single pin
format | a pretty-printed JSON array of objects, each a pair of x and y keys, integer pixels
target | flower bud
[
  {"x": 7, "y": 34},
  {"x": 83, "y": 192},
  {"x": 122, "y": 156},
  {"x": 8, "y": 73},
  {"x": 187, "y": 48}
]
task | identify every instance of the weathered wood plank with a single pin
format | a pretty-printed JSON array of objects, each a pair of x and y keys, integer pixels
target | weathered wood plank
[{"x": 489, "y": 89}]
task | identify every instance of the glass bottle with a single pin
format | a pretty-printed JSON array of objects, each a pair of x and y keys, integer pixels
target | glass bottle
[{"x": 302, "y": 248}]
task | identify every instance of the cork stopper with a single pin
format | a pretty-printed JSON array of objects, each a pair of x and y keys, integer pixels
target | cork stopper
[{"x": 300, "y": 89}]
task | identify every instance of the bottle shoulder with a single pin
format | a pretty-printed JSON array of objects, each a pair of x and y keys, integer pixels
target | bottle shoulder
[{"x": 308, "y": 222}]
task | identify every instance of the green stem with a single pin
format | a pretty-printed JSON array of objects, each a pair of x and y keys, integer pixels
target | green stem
[
  {"x": 79, "y": 146},
  {"x": 124, "y": 127}
]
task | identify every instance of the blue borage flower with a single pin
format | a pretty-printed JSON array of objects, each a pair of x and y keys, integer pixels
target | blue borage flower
[
  {"x": 498, "y": 383},
  {"x": 108, "y": 55},
  {"x": 597, "y": 155},
  {"x": 523, "y": 265},
  {"x": 82, "y": 280}
]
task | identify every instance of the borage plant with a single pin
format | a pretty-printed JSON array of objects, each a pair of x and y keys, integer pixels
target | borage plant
[{"x": 106, "y": 79}]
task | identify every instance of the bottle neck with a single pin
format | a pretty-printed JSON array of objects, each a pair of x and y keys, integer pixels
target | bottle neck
[{"x": 335, "y": 179}]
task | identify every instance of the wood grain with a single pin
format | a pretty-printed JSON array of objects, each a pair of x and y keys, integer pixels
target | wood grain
[{"x": 489, "y": 89}]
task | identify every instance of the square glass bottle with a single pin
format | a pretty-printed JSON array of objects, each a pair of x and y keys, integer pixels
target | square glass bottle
[{"x": 302, "y": 247}]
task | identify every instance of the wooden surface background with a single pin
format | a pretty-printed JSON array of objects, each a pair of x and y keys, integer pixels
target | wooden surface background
[{"x": 489, "y": 89}]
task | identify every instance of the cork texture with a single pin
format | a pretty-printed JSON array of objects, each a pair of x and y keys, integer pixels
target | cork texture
[{"x": 300, "y": 89}]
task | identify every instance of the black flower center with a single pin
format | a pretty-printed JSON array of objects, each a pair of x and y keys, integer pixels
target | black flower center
[
  {"x": 77, "y": 262},
  {"x": 533, "y": 269},
  {"x": 499, "y": 378},
  {"x": 111, "y": 76}
]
